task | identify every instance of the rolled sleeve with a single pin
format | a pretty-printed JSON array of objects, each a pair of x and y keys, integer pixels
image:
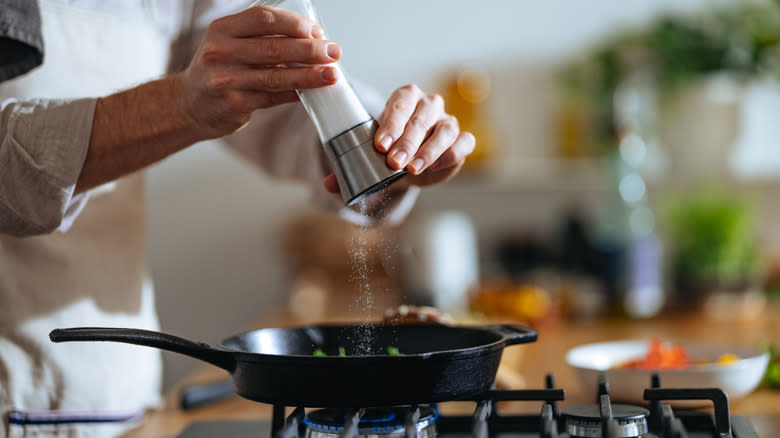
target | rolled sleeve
[{"x": 43, "y": 145}]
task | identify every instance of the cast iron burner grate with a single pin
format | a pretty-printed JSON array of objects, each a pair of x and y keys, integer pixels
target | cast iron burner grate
[
  {"x": 603, "y": 419},
  {"x": 375, "y": 422}
]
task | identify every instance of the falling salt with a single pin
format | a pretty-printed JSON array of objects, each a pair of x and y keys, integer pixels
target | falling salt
[{"x": 361, "y": 274}]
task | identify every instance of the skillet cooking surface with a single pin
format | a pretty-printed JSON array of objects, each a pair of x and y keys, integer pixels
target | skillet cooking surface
[{"x": 360, "y": 340}]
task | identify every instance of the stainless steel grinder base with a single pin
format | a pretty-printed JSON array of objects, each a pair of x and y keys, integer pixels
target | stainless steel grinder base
[{"x": 360, "y": 168}]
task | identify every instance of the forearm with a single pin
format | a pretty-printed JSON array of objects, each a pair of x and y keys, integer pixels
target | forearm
[
  {"x": 133, "y": 129},
  {"x": 234, "y": 72}
]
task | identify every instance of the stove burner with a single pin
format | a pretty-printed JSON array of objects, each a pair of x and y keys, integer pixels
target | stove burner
[
  {"x": 586, "y": 421},
  {"x": 385, "y": 422}
]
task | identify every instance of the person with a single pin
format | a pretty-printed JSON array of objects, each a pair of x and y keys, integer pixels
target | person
[{"x": 170, "y": 74}]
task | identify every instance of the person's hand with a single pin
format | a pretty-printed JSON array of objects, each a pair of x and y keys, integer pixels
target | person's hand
[
  {"x": 242, "y": 63},
  {"x": 418, "y": 135}
]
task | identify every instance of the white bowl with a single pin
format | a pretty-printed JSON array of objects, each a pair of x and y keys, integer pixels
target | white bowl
[{"x": 737, "y": 379}]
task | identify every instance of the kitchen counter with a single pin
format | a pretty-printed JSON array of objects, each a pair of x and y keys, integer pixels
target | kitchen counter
[{"x": 531, "y": 361}]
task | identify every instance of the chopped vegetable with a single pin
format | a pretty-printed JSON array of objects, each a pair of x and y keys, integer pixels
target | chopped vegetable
[
  {"x": 342, "y": 352},
  {"x": 319, "y": 352},
  {"x": 393, "y": 351},
  {"x": 665, "y": 356},
  {"x": 727, "y": 359},
  {"x": 660, "y": 356}
]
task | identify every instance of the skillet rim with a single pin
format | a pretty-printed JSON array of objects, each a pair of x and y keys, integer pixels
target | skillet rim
[{"x": 499, "y": 343}]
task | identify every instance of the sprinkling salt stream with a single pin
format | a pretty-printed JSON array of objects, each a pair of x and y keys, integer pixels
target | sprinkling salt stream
[{"x": 361, "y": 274}]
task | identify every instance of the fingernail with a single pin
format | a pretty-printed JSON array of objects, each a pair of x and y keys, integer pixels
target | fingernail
[
  {"x": 317, "y": 32},
  {"x": 400, "y": 158},
  {"x": 416, "y": 165},
  {"x": 334, "y": 51},
  {"x": 329, "y": 74},
  {"x": 384, "y": 142}
]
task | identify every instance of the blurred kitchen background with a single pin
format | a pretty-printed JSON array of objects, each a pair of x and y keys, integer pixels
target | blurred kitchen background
[{"x": 628, "y": 164}]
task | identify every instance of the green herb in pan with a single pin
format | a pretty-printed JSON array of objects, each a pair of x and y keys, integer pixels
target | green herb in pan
[
  {"x": 393, "y": 351},
  {"x": 320, "y": 353}
]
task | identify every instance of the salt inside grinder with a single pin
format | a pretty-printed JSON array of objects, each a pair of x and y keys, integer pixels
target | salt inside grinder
[{"x": 345, "y": 128}]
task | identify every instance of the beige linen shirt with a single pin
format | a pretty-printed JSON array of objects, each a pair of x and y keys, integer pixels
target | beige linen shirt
[{"x": 78, "y": 260}]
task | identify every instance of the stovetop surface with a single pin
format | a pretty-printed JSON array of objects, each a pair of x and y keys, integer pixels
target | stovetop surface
[{"x": 604, "y": 418}]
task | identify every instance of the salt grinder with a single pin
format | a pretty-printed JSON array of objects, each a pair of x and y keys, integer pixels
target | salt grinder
[{"x": 345, "y": 128}]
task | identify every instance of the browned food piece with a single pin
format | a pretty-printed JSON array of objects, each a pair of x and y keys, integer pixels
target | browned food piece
[{"x": 405, "y": 314}]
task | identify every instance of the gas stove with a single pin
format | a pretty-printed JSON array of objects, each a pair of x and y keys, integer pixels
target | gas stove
[{"x": 602, "y": 419}]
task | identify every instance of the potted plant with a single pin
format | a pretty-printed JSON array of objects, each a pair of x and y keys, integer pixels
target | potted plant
[
  {"x": 712, "y": 246},
  {"x": 695, "y": 64}
]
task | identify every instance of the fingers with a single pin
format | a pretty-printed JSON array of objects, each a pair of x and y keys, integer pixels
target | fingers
[
  {"x": 456, "y": 154},
  {"x": 409, "y": 118},
  {"x": 398, "y": 110},
  {"x": 444, "y": 134},
  {"x": 242, "y": 66},
  {"x": 280, "y": 50},
  {"x": 448, "y": 164},
  {"x": 272, "y": 79},
  {"x": 262, "y": 21}
]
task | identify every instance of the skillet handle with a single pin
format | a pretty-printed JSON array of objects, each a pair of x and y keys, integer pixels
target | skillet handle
[
  {"x": 515, "y": 334},
  {"x": 198, "y": 350}
]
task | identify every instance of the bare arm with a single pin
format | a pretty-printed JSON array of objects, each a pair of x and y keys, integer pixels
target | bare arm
[
  {"x": 236, "y": 71},
  {"x": 134, "y": 129},
  {"x": 239, "y": 68}
]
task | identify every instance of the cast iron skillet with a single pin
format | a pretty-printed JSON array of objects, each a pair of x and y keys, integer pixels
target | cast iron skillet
[{"x": 276, "y": 366}]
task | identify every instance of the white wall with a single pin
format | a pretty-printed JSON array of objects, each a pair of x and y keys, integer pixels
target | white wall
[
  {"x": 213, "y": 219},
  {"x": 394, "y": 42},
  {"x": 518, "y": 42}
]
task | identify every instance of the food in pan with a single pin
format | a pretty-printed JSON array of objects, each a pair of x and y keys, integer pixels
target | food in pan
[{"x": 391, "y": 351}]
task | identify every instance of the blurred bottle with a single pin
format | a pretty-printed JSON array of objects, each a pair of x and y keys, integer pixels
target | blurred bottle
[
  {"x": 627, "y": 235},
  {"x": 628, "y": 246},
  {"x": 579, "y": 269},
  {"x": 573, "y": 130},
  {"x": 467, "y": 94},
  {"x": 438, "y": 261}
]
